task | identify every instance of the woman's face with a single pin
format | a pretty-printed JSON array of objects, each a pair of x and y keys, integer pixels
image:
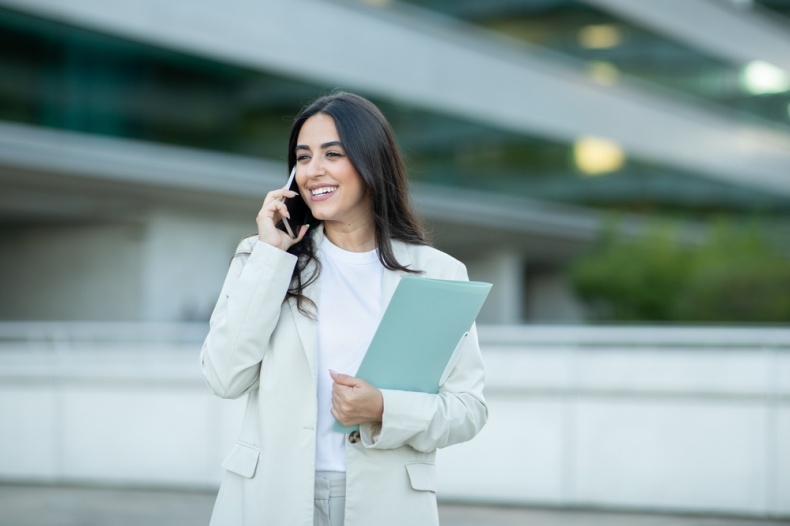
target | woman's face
[{"x": 328, "y": 182}]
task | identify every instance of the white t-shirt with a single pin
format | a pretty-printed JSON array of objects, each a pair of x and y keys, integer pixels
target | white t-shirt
[{"x": 349, "y": 311}]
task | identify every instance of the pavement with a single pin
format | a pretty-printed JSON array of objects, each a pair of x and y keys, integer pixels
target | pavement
[{"x": 39, "y": 505}]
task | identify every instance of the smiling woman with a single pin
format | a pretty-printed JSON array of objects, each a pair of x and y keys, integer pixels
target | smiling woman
[
  {"x": 332, "y": 187},
  {"x": 293, "y": 322}
]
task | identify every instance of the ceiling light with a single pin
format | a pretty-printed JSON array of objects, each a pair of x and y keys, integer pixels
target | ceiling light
[
  {"x": 761, "y": 78},
  {"x": 600, "y": 36},
  {"x": 597, "y": 155}
]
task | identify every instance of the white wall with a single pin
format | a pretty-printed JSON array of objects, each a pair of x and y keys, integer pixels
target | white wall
[
  {"x": 550, "y": 297},
  {"x": 134, "y": 413},
  {"x": 663, "y": 419},
  {"x": 505, "y": 269},
  {"x": 693, "y": 420},
  {"x": 185, "y": 259},
  {"x": 70, "y": 272},
  {"x": 168, "y": 265}
]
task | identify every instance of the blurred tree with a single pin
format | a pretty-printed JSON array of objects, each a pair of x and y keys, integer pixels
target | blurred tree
[{"x": 738, "y": 274}]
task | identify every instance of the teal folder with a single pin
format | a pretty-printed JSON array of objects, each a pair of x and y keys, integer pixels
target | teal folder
[{"x": 420, "y": 335}]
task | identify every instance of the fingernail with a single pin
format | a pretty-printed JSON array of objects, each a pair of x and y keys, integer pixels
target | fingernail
[{"x": 333, "y": 373}]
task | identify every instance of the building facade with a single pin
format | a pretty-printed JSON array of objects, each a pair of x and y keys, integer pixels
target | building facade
[{"x": 137, "y": 140}]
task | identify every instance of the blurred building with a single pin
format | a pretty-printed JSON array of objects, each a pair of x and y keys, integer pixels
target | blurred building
[{"x": 138, "y": 138}]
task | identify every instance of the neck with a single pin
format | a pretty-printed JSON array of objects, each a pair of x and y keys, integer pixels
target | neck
[{"x": 353, "y": 237}]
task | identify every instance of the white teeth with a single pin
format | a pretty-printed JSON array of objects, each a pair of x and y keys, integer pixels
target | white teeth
[{"x": 324, "y": 190}]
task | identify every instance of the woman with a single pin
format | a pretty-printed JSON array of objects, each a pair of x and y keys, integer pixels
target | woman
[{"x": 292, "y": 324}]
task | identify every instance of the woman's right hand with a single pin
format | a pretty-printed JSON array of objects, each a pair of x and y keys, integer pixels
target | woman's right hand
[{"x": 272, "y": 211}]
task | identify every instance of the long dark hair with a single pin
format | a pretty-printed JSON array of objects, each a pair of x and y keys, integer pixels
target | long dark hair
[{"x": 370, "y": 144}]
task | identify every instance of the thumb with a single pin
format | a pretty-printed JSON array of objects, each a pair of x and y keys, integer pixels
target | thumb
[
  {"x": 343, "y": 379},
  {"x": 302, "y": 232}
]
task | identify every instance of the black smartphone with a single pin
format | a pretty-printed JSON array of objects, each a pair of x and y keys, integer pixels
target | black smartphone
[{"x": 297, "y": 208}]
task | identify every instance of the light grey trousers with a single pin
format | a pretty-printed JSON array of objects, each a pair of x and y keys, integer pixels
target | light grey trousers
[{"x": 330, "y": 498}]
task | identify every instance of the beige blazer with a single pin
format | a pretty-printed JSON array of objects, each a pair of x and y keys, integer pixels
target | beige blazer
[{"x": 264, "y": 347}]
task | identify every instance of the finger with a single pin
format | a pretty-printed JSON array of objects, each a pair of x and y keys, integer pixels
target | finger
[
  {"x": 302, "y": 233},
  {"x": 274, "y": 195},
  {"x": 341, "y": 395},
  {"x": 300, "y": 236},
  {"x": 338, "y": 395},
  {"x": 279, "y": 208},
  {"x": 340, "y": 415},
  {"x": 287, "y": 194},
  {"x": 343, "y": 379},
  {"x": 278, "y": 195},
  {"x": 270, "y": 208}
]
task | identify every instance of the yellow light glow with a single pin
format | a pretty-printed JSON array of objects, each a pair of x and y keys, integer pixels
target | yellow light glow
[
  {"x": 600, "y": 36},
  {"x": 762, "y": 78},
  {"x": 603, "y": 73},
  {"x": 597, "y": 155}
]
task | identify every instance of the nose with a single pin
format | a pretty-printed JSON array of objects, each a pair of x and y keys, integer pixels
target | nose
[{"x": 315, "y": 168}]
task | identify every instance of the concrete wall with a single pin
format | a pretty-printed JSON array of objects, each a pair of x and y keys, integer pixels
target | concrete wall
[
  {"x": 187, "y": 253},
  {"x": 167, "y": 263},
  {"x": 505, "y": 302},
  {"x": 695, "y": 420},
  {"x": 165, "y": 266},
  {"x": 550, "y": 297},
  {"x": 687, "y": 420},
  {"x": 70, "y": 271}
]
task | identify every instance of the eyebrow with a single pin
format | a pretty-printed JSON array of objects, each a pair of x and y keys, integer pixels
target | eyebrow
[{"x": 323, "y": 146}]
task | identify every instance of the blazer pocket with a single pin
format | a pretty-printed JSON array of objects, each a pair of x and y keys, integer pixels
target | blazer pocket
[
  {"x": 242, "y": 460},
  {"x": 422, "y": 476}
]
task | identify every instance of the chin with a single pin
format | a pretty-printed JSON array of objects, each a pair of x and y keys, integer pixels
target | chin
[
  {"x": 318, "y": 215},
  {"x": 322, "y": 214}
]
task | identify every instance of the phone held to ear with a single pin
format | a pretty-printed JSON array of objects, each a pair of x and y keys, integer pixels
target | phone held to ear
[{"x": 297, "y": 208}]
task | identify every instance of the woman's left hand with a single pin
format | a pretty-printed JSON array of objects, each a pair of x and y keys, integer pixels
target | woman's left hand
[{"x": 354, "y": 401}]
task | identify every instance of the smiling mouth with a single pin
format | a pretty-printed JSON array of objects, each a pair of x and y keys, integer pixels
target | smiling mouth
[{"x": 324, "y": 190}]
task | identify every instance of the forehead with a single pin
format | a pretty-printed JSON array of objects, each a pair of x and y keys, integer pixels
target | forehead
[{"x": 318, "y": 129}]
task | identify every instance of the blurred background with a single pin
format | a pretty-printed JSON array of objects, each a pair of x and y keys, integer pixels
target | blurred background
[{"x": 619, "y": 169}]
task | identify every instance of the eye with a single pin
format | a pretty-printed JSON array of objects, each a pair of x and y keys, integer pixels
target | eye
[
  {"x": 302, "y": 157},
  {"x": 334, "y": 154}
]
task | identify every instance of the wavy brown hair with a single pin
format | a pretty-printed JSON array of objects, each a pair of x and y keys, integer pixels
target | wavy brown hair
[{"x": 371, "y": 147}]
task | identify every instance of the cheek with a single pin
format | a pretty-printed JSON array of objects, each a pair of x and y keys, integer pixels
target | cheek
[
  {"x": 301, "y": 181},
  {"x": 361, "y": 190},
  {"x": 355, "y": 183}
]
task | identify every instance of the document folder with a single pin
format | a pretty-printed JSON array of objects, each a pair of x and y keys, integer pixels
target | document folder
[{"x": 421, "y": 335}]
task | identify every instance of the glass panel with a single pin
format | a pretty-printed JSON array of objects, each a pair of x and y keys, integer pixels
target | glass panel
[
  {"x": 66, "y": 77},
  {"x": 612, "y": 49},
  {"x": 70, "y": 78}
]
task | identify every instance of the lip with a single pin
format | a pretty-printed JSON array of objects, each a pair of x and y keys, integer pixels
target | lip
[{"x": 321, "y": 197}]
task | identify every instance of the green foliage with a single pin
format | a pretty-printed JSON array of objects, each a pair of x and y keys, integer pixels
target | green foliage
[{"x": 738, "y": 274}]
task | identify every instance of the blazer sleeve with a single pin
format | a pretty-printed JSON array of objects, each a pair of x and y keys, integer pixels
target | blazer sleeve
[
  {"x": 430, "y": 421},
  {"x": 245, "y": 317}
]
